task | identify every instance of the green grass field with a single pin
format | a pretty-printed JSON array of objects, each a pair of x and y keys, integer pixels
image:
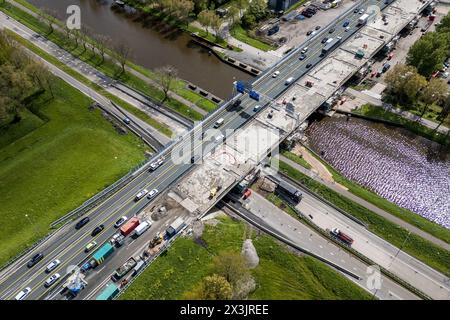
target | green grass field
[
  {"x": 296, "y": 158},
  {"x": 429, "y": 253},
  {"x": 242, "y": 35},
  {"x": 57, "y": 157},
  {"x": 280, "y": 274}
]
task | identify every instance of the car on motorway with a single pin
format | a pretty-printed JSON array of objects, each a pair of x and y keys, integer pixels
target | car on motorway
[
  {"x": 152, "y": 193},
  {"x": 256, "y": 108},
  {"x": 308, "y": 65},
  {"x": 346, "y": 23},
  {"x": 309, "y": 33},
  {"x": 346, "y": 29},
  {"x": 270, "y": 114},
  {"x": 218, "y": 123},
  {"x": 97, "y": 230},
  {"x": 219, "y": 137},
  {"x": 304, "y": 50},
  {"x": 50, "y": 281},
  {"x": 35, "y": 259},
  {"x": 194, "y": 159},
  {"x": 120, "y": 222},
  {"x": 156, "y": 164},
  {"x": 140, "y": 195},
  {"x": 22, "y": 294},
  {"x": 331, "y": 30},
  {"x": 127, "y": 120},
  {"x": 275, "y": 74},
  {"x": 82, "y": 223},
  {"x": 289, "y": 80},
  {"x": 52, "y": 265},
  {"x": 361, "y": 11},
  {"x": 324, "y": 40},
  {"x": 356, "y": 10},
  {"x": 302, "y": 56},
  {"x": 317, "y": 27},
  {"x": 90, "y": 246}
]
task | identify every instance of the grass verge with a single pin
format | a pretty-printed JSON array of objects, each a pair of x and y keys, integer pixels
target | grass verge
[
  {"x": 243, "y": 35},
  {"x": 279, "y": 275},
  {"x": 427, "y": 252},
  {"x": 297, "y": 159}
]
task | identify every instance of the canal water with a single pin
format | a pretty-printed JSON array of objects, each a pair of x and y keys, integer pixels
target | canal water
[
  {"x": 406, "y": 169},
  {"x": 154, "y": 45}
]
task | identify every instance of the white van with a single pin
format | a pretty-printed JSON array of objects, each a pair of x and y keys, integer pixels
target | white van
[
  {"x": 140, "y": 229},
  {"x": 218, "y": 123},
  {"x": 22, "y": 294},
  {"x": 289, "y": 80},
  {"x": 219, "y": 137}
]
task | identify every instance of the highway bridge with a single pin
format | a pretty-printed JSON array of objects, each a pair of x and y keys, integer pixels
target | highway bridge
[{"x": 68, "y": 244}]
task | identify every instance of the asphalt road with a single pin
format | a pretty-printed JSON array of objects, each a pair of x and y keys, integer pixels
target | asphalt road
[
  {"x": 68, "y": 244},
  {"x": 263, "y": 213}
]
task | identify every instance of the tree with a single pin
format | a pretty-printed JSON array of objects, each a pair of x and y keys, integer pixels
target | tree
[
  {"x": 241, "y": 5},
  {"x": 434, "y": 92},
  {"x": 205, "y": 19},
  {"x": 166, "y": 76},
  {"x": 233, "y": 15},
  {"x": 101, "y": 43},
  {"x": 428, "y": 53},
  {"x": 230, "y": 265},
  {"x": 444, "y": 26},
  {"x": 403, "y": 82},
  {"x": 49, "y": 17},
  {"x": 183, "y": 9},
  {"x": 122, "y": 52},
  {"x": 213, "y": 287},
  {"x": 445, "y": 112},
  {"x": 216, "y": 23}
]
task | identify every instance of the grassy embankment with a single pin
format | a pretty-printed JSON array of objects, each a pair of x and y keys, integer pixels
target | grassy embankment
[
  {"x": 238, "y": 32},
  {"x": 112, "y": 70},
  {"x": 280, "y": 274},
  {"x": 299, "y": 160},
  {"x": 429, "y": 253},
  {"x": 58, "y": 156},
  {"x": 379, "y": 113}
]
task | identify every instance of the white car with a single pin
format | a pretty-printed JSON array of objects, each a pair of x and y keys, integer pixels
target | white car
[
  {"x": 289, "y": 80},
  {"x": 52, "y": 266},
  {"x": 219, "y": 137},
  {"x": 305, "y": 49},
  {"x": 120, "y": 222},
  {"x": 156, "y": 164},
  {"x": 361, "y": 11},
  {"x": 346, "y": 29},
  {"x": 256, "y": 108},
  {"x": 22, "y": 294},
  {"x": 50, "y": 281},
  {"x": 444, "y": 75},
  {"x": 141, "y": 194},
  {"x": 152, "y": 193},
  {"x": 275, "y": 74}
]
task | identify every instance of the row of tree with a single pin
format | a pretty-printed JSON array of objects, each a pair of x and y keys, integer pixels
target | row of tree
[
  {"x": 407, "y": 86},
  {"x": 428, "y": 53},
  {"x": 20, "y": 78}
]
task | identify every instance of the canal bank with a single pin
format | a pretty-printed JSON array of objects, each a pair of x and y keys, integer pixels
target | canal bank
[
  {"x": 154, "y": 45},
  {"x": 407, "y": 170}
]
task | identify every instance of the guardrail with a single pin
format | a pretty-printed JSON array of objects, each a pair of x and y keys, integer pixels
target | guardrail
[{"x": 148, "y": 262}]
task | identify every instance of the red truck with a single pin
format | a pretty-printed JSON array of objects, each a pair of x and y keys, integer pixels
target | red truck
[
  {"x": 247, "y": 193},
  {"x": 128, "y": 227},
  {"x": 342, "y": 236}
]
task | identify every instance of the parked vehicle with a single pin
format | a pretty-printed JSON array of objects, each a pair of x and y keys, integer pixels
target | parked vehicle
[
  {"x": 90, "y": 246},
  {"x": 97, "y": 230},
  {"x": 342, "y": 236},
  {"x": 247, "y": 194},
  {"x": 386, "y": 67},
  {"x": 309, "y": 33},
  {"x": 128, "y": 227},
  {"x": 175, "y": 227},
  {"x": 124, "y": 269},
  {"x": 22, "y": 294},
  {"x": 324, "y": 40},
  {"x": 50, "y": 281},
  {"x": 141, "y": 194},
  {"x": 152, "y": 193},
  {"x": 256, "y": 108},
  {"x": 52, "y": 265},
  {"x": 118, "y": 240},
  {"x": 139, "y": 266},
  {"x": 101, "y": 254},
  {"x": 35, "y": 259},
  {"x": 109, "y": 292},
  {"x": 141, "y": 228},
  {"x": 82, "y": 223},
  {"x": 120, "y": 222}
]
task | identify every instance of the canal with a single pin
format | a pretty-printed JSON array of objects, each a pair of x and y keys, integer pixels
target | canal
[
  {"x": 406, "y": 169},
  {"x": 154, "y": 46}
]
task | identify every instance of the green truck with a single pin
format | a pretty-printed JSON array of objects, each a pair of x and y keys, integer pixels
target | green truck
[
  {"x": 109, "y": 292},
  {"x": 101, "y": 254}
]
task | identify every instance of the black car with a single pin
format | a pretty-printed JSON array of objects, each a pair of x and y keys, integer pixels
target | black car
[
  {"x": 302, "y": 56},
  {"x": 331, "y": 30},
  {"x": 35, "y": 259},
  {"x": 81, "y": 223},
  {"x": 318, "y": 27},
  {"x": 308, "y": 65},
  {"x": 309, "y": 33},
  {"x": 356, "y": 10},
  {"x": 97, "y": 230},
  {"x": 324, "y": 40}
]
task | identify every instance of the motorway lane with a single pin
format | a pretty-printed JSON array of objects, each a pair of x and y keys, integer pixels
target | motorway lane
[{"x": 15, "y": 281}]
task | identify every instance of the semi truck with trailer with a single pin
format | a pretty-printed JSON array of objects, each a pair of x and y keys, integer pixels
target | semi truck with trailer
[
  {"x": 342, "y": 236},
  {"x": 330, "y": 45},
  {"x": 101, "y": 254},
  {"x": 109, "y": 292}
]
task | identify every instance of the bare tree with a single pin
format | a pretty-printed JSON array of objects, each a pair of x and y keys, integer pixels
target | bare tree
[
  {"x": 49, "y": 17},
  {"x": 102, "y": 42},
  {"x": 122, "y": 52},
  {"x": 165, "y": 77}
]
